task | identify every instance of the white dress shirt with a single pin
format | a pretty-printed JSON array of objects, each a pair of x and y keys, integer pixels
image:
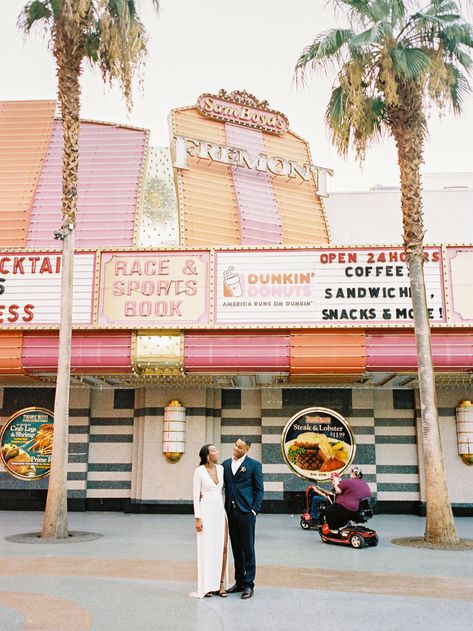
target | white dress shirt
[{"x": 236, "y": 464}]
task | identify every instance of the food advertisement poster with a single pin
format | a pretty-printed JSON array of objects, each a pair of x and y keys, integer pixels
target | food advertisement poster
[
  {"x": 30, "y": 289},
  {"x": 317, "y": 442},
  {"x": 323, "y": 287},
  {"x": 26, "y": 443},
  {"x": 154, "y": 289}
]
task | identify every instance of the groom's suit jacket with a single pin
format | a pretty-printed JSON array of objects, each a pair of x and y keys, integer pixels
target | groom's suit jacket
[{"x": 245, "y": 488}]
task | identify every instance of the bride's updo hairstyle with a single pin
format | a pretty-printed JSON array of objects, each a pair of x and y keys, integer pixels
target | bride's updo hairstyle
[{"x": 204, "y": 453}]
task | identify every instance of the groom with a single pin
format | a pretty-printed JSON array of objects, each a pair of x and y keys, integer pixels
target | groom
[{"x": 243, "y": 500}]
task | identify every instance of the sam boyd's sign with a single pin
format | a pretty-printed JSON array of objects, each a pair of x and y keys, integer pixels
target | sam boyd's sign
[{"x": 242, "y": 108}]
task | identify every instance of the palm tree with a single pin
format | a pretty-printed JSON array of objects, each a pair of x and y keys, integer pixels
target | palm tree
[
  {"x": 110, "y": 35},
  {"x": 394, "y": 58}
]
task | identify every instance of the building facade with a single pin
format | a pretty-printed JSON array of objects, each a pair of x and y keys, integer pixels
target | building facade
[{"x": 219, "y": 292}]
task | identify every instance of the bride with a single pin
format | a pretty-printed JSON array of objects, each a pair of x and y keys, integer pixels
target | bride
[{"x": 210, "y": 525}]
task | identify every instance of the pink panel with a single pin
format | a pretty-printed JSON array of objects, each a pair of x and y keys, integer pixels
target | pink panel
[
  {"x": 236, "y": 352},
  {"x": 260, "y": 222},
  {"x": 388, "y": 351},
  {"x": 110, "y": 166},
  {"x": 91, "y": 352}
]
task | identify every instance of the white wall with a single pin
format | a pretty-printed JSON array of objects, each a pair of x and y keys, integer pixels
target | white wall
[{"x": 374, "y": 217}]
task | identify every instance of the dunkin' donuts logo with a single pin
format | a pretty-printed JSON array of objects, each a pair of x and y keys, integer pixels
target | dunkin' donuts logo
[
  {"x": 244, "y": 109},
  {"x": 263, "y": 285},
  {"x": 232, "y": 287}
]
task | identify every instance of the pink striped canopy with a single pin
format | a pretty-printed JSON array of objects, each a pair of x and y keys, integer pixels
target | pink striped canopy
[
  {"x": 236, "y": 352},
  {"x": 92, "y": 352},
  {"x": 387, "y": 351}
]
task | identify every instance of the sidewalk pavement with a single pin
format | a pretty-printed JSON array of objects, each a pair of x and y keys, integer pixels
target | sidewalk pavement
[{"x": 139, "y": 573}]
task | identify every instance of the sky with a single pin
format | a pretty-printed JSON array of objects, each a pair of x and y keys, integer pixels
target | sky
[{"x": 253, "y": 45}]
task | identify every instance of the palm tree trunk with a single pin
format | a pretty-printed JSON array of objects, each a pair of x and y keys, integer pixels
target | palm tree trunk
[
  {"x": 55, "y": 522},
  {"x": 408, "y": 134},
  {"x": 439, "y": 525}
]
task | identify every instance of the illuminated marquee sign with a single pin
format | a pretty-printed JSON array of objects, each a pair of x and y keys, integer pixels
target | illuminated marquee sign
[
  {"x": 323, "y": 287},
  {"x": 242, "y": 108},
  {"x": 154, "y": 289},
  {"x": 30, "y": 288},
  {"x": 251, "y": 288},
  {"x": 233, "y": 156}
]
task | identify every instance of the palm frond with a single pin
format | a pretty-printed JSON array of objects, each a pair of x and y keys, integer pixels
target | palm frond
[
  {"x": 456, "y": 34},
  {"x": 337, "y": 106},
  {"x": 361, "y": 123},
  {"x": 463, "y": 58},
  {"x": 121, "y": 9},
  {"x": 376, "y": 34},
  {"x": 337, "y": 120},
  {"x": 132, "y": 7},
  {"x": 397, "y": 56},
  {"x": 380, "y": 10},
  {"x": 33, "y": 13},
  {"x": 459, "y": 88},
  {"x": 369, "y": 125},
  {"x": 332, "y": 41},
  {"x": 56, "y": 7},
  {"x": 424, "y": 21},
  {"x": 359, "y": 7},
  {"x": 410, "y": 63},
  {"x": 324, "y": 50},
  {"x": 363, "y": 10},
  {"x": 441, "y": 7},
  {"x": 92, "y": 46},
  {"x": 398, "y": 12},
  {"x": 428, "y": 23}
]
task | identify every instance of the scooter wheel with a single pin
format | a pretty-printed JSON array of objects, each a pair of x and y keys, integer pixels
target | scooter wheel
[
  {"x": 304, "y": 524},
  {"x": 357, "y": 541}
]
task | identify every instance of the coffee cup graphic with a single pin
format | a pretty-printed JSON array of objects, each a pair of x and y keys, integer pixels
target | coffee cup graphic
[{"x": 231, "y": 284}]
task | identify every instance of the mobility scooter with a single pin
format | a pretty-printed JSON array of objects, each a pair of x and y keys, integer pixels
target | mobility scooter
[
  {"x": 353, "y": 534},
  {"x": 310, "y": 519}
]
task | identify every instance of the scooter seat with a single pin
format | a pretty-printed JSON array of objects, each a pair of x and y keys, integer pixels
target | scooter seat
[{"x": 365, "y": 509}]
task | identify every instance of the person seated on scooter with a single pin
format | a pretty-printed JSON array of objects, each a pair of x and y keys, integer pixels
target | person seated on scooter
[
  {"x": 320, "y": 496},
  {"x": 349, "y": 493}
]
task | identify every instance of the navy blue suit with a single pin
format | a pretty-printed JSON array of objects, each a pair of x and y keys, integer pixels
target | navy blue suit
[{"x": 243, "y": 494}]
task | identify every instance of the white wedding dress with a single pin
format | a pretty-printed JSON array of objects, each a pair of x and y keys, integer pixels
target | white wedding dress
[{"x": 212, "y": 540}]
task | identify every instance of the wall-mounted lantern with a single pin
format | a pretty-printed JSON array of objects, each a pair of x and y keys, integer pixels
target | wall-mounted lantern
[
  {"x": 174, "y": 430},
  {"x": 464, "y": 414}
]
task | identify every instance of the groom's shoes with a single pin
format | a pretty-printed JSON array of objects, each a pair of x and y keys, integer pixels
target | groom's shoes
[
  {"x": 234, "y": 589},
  {"x": 247, "y": 593}
]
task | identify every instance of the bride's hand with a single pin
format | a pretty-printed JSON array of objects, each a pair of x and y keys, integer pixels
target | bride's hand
[{"x": 198, "y": 524}]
